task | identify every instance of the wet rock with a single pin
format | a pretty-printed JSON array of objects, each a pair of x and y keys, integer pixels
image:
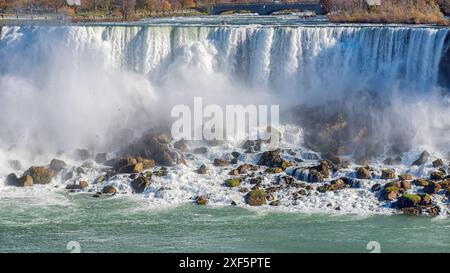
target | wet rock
[
  {"x": 243, "y": 190},
  {"x": 310, "y": 156},
  {"x": 438, "y": 163},
  {"x": 315, "y": 176},
  {"x": 389, "y": 193},
  {"x": 255, "y": 180},
  {"x": 251, "y": 146},
  {"x": 40, "y": 175},
  {"x": 132, "y": 168},
  {"x": 81, "y": 185},
  {"x": 273, "y": 170},
  {"x": 376, "y": 187},
  {"x": 432, "y": 188},
  {"x": 420, "y": 182},
  {"x": 181, "y": 145},
  {"x": 234, "y": 172},
  {"x": 256, "y": 197},
  {"x": 405, "y": 185},
  {"x": 15, "y": 164},
  {"x": 363, "y": 173},
  {"x": 235, "y": 154},
  {"x": 244, "y": 168},
  {"x": 437, "y": 175},
  {"x": 201, "y": 200},
  {"x": 408, "y": 200},
  {"x": 220, "y": 162},
  {"x": 233, "y": 203},
  {"x": 388, "y": 174},
  {"x": 57, "y": 165},
  {"x": 406, "y": 176},
  {"x": 140, "y": 184},
  {"x": 233, "y": 182},
  {"x": 270, "y": 197},
  {"x": 100, "y": 179},
  {"x": 271, "y": 158},
  {"x": 109, "y": 190},
  {"x": 323, "y": 168},
  {"x": 336, "y": 160},
  {"x": 202, "y": 169},
  {"x": 201, "y": 150},
  {"x": 423, "y": 158},
  {"x": 163, "y": 171},
  {"x": 151, "y": 146},
  {"x": 82, "y": 154},
  {"x": 334, "y": 185},
  {"x": 24, "y": 181}
]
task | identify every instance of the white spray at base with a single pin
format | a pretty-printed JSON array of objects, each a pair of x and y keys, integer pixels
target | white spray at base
[{"x": 67, "y": 87}]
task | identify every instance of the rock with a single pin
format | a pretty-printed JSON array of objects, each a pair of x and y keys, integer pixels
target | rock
[
  {"x": 244, "y": 168},
  {"x": 233, "y": 182},
  {"x": 100, "y": 157},
  {"x": 220, "y": 162},
  {"x": 201, "y": 150},
  {"x": 161, "y": 172},
  {"x": 57, "y": 165},
  {"x": 99, "y": 179},
  {"x": 437, "y": 175},
  {"x": 389, "y": 193},
  {"x": 256, "y": 197},
  {"x": 376, "y": 187},
  {"x": 423, "y": 158},
  {"x": 81, "y": 185},
  {"x": 235, "y": 154},
  {"x": 146, "y": 163},
  {"x": 233, "y": 203},
  {"x": 334, "y": 185},
  {"x": 314, "y": 176},
  {"x": 425, "y": 199},
  {"x": 363, "y": 173},
  {"x": 243, "y": 190},
  {"x": 388, "y": 174},
  {"x": 24, "y": 181},
  {"x": 201, "y": 200},
  {"x": 274, "y": 170},
  {"x": 234, "y": 172},
  {"x": 275, "y": 203},
  {"x": 181, "y": 145},
  {"x": 140, "y": 184},
  {"x": 270, "y": 197},
  {"x": 109, "y": 190},
  {"x": 405, "y": 176},
  {"x": 432, "y": 188},
  {"x": 151, "y": 146},
  {"x": 408, "y": 200},
  {"x": 40, "y": 175},
  {"x": 405, "y": 185},
  {"x": 420, "y": 182},
  {"x": 132, "y": 168},
  {"x": 271, "y": 158},
  {"x": 438, "y": 163},
  {"x": 251, "y": 146},
  {"x": 202, "y": 169},
  {"x": 393, "y": 161},
  {"x": 82, "y": 154},
  {"x": 323, "y": 168},
  {"x": 15, "y": 164},
  {"x": 255, "y": 180}
]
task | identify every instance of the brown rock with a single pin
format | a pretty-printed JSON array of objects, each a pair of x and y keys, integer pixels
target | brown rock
[
  {"x": 201, "y": 200},
  {"x": 40, "y": 175},
  {"x": 132, "y": 168},
  {"x": 202, "y": 169},
  {"x": 109, "y": 190},
  {"x": 363, "y": 173},
  {"x": 140, "y": 184},
  {"x": 220, "y": 162},
  {"x": 387, "y": 174}
]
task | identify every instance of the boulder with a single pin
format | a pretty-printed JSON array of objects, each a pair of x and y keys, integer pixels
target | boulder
[
  {"x": 244, "y": 168},
  {"x": 24, "y": 181},
  {"x": 256, "y": 197},
  {"x": 388, "y": 174},
  {"x": 146, "y": 163},
  {"x": 438, "y": 163},
  {"x": 314, "y": 176},
  {"x": 437, "y": 175},
  {"x": 57, "y": 165},
  {"x": 233, "y": 182},
  {"x": 220, "y": 162},
  {"x": 423, "y": 158},
  {"x": 109, "y": 190},
  {"x": 251, "y": 146},
  {"x": 151, "y": 145},
  {"x": 235, "y": 154},
  {"x": 40, "y": 174},
  {"x": 132, "y": 168},
  {"x": 389, "y": 193},
  {"x": 420, "y": 182},
  {"x": 405, "y": 185},
  {"x": 393, "y": 161},
  {"x": 202, "y": 169},
  {"x": 181, "y": 145},
  {"x": 376, "y": 187},
  {"x": 405, "y": 176},
  {"x": 323, "y": 168},
  {"x": 201, "y": 200},
  {"x": 363, "y": 173},
  {"x": 271, "y": 158},
  {"x": 408, "y": 200},
  {"x": 273, "y": 170},
  {"x": 140, "y": 184},
  {"x": 432, "y": 188}
]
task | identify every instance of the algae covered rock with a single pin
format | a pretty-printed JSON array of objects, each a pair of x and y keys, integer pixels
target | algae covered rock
[
  {"x": 256, "y": 197},
  {"x": 233, "y": 182}
]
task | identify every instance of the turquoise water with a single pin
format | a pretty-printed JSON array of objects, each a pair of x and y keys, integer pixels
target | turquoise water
[{"x": 124, "y": 225}]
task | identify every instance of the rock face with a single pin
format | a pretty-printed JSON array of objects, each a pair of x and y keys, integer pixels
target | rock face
[
  {"x": 57, "y": 165},
  {"x": 139, "y": 184},
  {"x": 256, "y": 197},
  {"x": 271, "y": 158},
  {"x": 152, "y": 146},
  {"x": 423, "y": 158},
  {"x": 40, "y": 175}
]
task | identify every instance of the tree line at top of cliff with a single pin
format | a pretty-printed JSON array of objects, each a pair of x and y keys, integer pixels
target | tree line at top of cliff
[{"x": 352, "y": 11}]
